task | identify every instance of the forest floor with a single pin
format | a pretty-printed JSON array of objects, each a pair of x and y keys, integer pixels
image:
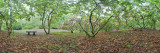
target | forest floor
[{"x": 129, "y": 41}]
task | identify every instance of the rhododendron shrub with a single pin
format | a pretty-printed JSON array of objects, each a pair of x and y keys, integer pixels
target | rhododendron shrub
[{"x": 70, "y": 24}]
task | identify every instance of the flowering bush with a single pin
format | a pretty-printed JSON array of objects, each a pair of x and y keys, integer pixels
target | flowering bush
[{"x": 70, "y": 24}]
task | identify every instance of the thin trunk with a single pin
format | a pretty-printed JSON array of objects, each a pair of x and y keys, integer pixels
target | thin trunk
[
  {"x": 143, "y": 22},
  {"x": 154, "y": 24},
  {"x": 49, "y": 26},
  {"x": 119, "y": 23},
  {"x": 102, "y": 26},
  {"x": 11, "y": 21},
  {"x": 126, "y": 22},
  {"x": 90, "y": 18},
  {"x": 43, "y": 19},
  {"x": 87, "y": 34},
  {"x": 49, "y": 21},
  {"x": 71, "y": 31},
  {"x": 44, "y": 27},
  {"x": 0, "y": 26}
]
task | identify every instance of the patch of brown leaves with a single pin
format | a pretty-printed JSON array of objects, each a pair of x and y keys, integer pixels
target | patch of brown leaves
[{"x": 146, "y": 41}]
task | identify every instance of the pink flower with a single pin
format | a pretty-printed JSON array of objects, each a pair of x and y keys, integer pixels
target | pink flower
[
  {"x": 93, "y": 20},
  {"x": 71, "y": 19},
  {"x": 64, "y": 24},
  {"x": 84, "y": 23},
  {"x": 100, "y": 23},
  {"x": 114, "y": 30}
]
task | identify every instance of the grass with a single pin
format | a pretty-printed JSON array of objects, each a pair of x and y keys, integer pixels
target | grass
[{"x": 65, "y": 33}]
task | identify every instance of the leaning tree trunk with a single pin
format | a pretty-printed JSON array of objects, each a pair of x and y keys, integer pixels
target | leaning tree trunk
[
  {"x": 43, "y": 24},
  {"x": 43, "y": 19}
]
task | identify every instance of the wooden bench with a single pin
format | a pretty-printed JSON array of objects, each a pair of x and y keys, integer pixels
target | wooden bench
[{"x": 34, "y": 32}]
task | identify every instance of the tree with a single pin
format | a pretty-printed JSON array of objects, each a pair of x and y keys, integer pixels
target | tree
[
  {"x": 8, "y": 24},
  {"x": 48, "y": 10},
  {"x": 93, "y": 17},
  {"x": 11, "y": 10},
  {"x": 154, "y": 11}
]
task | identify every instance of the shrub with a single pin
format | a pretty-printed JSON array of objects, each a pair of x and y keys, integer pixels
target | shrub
[
  {"x": 70, "y": 24},
  {"x": 29, "y": 27},
  {"x": 54, "y": 27},
  {"x": 40, "y": 27},
  {"x": 17, "y": 27}
]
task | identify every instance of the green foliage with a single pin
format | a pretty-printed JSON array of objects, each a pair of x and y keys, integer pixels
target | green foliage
[
  {"x": 55, "y": 27},
  {"x": 41, "y": 47},
  {"x": 40, "y": 27},
  {"x": 29, "y": 27},
  {"x": 129, "y": 46},
  {"x": 3, "y": 51},
  {"x": 17, "y": 27},
  {"x": 12, "y": 36},
  {"x": 58, "y": 47},
  {"x": 52, "y": 27},
  {"x": 141, "y": 45},
  {"x": 61, "y": 32}
]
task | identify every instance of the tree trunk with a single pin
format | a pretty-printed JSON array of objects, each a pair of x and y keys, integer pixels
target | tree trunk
[
  {"x": 0, "y": 26},
  {"x": 143, "y": 23},
  {"x": 43, "y": 19},
  {"x": 49, "y": 26},
  {"x": 11, "y": 21},
  {"x": 126, "y": 22},
  {"x": 119, "y": 23},
  {"x": 154, "y": 24},
  {"x": 71, "y": 31},
  {"x": 44, "y": 27}
]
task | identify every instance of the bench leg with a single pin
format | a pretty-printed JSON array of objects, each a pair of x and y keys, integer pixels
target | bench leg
[
  {"x": 34, "y": 33},
  {"x": 28, "y": 33}
]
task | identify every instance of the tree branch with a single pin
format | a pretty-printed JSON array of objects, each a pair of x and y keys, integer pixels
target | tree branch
[
  {"x": 90, "y": 18},
  {"x": 103, "y": 25},
  {"x": 81, "y": 24}
]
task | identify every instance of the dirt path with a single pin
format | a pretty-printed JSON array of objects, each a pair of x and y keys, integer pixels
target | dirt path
[{"x": 39, "y": 31}]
